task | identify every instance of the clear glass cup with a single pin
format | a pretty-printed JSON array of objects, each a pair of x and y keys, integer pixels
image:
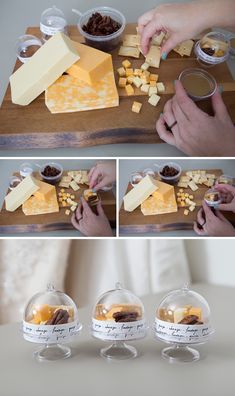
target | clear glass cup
[
  {"x": 26, "y": 46},
  {"x": 212, "y": 49},
  {"x": 52, "y": 21},
  {"x": 26, "y": 169},
  {"x": 225, "y": 179},
  {"x": 14, "y": 181},
  {"x": 135, "y": 178},
  {"x": 213, "y": 198},
  {"x": 198, "y": 83}
]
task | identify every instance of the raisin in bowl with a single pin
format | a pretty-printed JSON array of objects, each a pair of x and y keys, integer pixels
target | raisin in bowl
[
  {"x": 102, "y": 28},
  {"x": 169, "y": 173},
  {"x": 118, "y": 316},
  {"x": 51, "y": 319},
  {"x": 51, "y": 172},
  {"x": 183, "y": 319}
]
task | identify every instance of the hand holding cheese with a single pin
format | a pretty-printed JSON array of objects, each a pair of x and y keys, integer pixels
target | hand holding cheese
[
  {"x": 90, "y": 224},
  {"x": 184, "y": 21},
  {"x": 102, "y": 175},
  {"x": 196, "y": 133},
  {"x": 43, "y": 69},
  {"x": 212, "y": 224}
]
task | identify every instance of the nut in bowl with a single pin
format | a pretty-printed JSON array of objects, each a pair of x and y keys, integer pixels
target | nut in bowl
[
  {"x": 213, "y": 198},
  {"x": 51, "y": 172},
  {"x": 102, "y": 27},
  {"x": 169, "y": 173}
]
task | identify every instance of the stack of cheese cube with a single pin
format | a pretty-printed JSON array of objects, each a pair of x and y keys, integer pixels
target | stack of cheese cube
[{"x": 195, "y": 177}]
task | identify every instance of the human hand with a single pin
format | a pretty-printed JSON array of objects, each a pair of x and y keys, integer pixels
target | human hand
[
  {"x": 102, "y": 174},
  {"x": 90, "y": 224},
  {"x": 228, "y": 195},
  {"x": 195, "y": 132},
  {"x": 212, "y": 224},
  {"x": 180, "y": 21}
]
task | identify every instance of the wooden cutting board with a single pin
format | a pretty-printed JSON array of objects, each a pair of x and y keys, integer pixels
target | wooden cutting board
[
  {"x": 17, "y": 222},
  {"x": 136, "y": 222},
  {"x": 34, "y": 126}
]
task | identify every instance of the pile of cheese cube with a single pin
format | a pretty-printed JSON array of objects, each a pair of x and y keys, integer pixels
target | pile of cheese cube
[
  {"x": 195, "y": 177},
  {"x": 147, "y": 82},
  {"x": 67, "y": 199},
  {"x": 184, "y": 200}
]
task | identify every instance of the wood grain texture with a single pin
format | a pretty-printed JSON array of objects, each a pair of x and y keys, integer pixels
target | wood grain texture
[
  {"x": 135, "y": 222},
  {"x": 34, "y": 126},
  {"x": 17, "y": 222}
]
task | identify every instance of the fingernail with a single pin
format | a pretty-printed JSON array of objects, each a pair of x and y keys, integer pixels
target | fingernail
[
  {"x": 93, "y": 190},
  {"x": 164, "y": 56},
  {"x": 161, "y": 115},
  {"x": 221, "y": 89},
  {"x": 175, "y": 81}
]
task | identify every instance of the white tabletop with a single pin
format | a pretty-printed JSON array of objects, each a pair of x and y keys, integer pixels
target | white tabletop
[
  {"x": 87, "y": 374},
  {"x": 18, "y": 15}
]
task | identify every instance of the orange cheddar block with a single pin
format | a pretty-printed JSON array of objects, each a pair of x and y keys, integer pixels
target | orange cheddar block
[
  {"x": 37, "y": 206},
  {"x": 196, "y": 311},
  {"x": 154, "y": 206},
  {"x": 164, "y": 191},
  {"x": 92, "y": 66},
  {"x": 68, "y": 94},
  {"x": 44, "y": 191}
]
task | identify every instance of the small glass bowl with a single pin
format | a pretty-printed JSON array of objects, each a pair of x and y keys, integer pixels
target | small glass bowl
[
  {"x": 52, "y": 21},
  {"x": 148, "y": 171},
  {"x": 26, "y": 46},
  {"x": 103, "y": 43},
  {"x": 232, "y": 46},
  {"x": 170, "y": 179},
  {"x": 217, "y": 46},
  {"x": 135, "y": 178},
  {"x": 198, "y": 83},
  {"x": 26, "y": 169},
  {"x": 213, "y": 198},
  {"x": 87, "y": 194},
  {"x": 14, "y": 181},
  {"x": 51, "y": 179},
  {"x": 225, "y": 179}
]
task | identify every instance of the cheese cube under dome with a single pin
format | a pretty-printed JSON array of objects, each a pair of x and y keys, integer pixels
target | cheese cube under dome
[
  {"x": 119, "y": 316},
  {"x": 183, "y": 318},
  {"x": 51, "y": 319}
]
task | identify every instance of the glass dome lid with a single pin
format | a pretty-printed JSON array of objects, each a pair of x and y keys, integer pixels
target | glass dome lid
[{"x": 50, "y": 317}]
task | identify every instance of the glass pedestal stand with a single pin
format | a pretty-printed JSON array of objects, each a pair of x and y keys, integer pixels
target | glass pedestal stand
[
  {"x": 180, "y": 354},
  {"x": 119, "y": 351},
  {"x": 50, "y": 352}
]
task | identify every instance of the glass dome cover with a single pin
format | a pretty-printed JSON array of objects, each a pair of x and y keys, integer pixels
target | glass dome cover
[
  {"x": 50, "y": 317},
  {"x": 52, "y": 21},
  {"x": 118, "y": 314}
]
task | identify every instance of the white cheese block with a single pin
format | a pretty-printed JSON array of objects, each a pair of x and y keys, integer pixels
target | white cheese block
[
  {"x": 140, "y": 193},
  {"x": 21, "y": 193},
  {"x": 43, "y": 69}
]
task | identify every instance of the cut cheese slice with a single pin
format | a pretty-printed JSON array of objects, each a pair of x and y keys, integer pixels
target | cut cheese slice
[
  {"x": 37, "y": 206},
  {"x": 154, "y": 206},
  {"x": 164, "y": 191},
  {"x": 139, "y": 193},
  {"x": 43, "y": 68},
  {"x": 69, "y": 94},
  {"x": 21, "y": 193},
  {"x": 44, "y": 191},
  {"x": 92, "y": 66},
  {"x": 153, "y": 57}
]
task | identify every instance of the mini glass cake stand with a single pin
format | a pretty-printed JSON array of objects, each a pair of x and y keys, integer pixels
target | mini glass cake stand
[
  {"x": 182, "y": 321},
  {"x": 213, "y": 198},
  {"x": 51, "y": 319},
  {"x": 118, "y": 316}
]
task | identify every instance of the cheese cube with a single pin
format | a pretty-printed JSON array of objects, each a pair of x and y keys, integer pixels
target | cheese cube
[
  {"x": 44, "y": 191},
  {"x": 130, "y": 79},
  {"x": 182, "y": 184},
  {"x": 126, "y": 63},
  {"x": 139, "y": 193},
  {"x": 137, "y": 82},
  {"x": 152, "y": 90},
  {"x": 129, "y": 90},
  {"x": 154, "y": 99},
  {"x": 153, "y": 84},
  {"x": 164, "y": 191},
  {"x": 153, "y": 57},
  {"x": 21, "y": 193},
  {"x": 193, "y": 186},
  {"x": 67, "y": 212},
  {"x": 157, "y": 38},
  {"x": 129, "y": 72},
  {"x": 179, "y": 314},
  {"x": 153, "y": 77},
  {"x": 144, "y": 79},
  {"x": 192, "y": 208},
  {"x": 136, "y": 107},
  {"x": 137, "y": 72},
  {"x": 145, "y": 88},
  {"x": 122, "y": 82},
  {"x": 92, "y": 66},
  {"x": 121, "y": 71},
  {"x": 74, "y": 186},
  {"x": 42, "y": 69},
  {"x": 73, "y": 208},
  {"x": 144, "y": 66},
  {"x": 186, "y": 212},
  {"x": 160, "y": 87},
  {"x": 195, "y": 311}
]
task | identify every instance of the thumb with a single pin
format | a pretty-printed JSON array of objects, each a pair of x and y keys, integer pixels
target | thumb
[
  {"x": 219, "y": 107},
  {"x": 226, "y": 207},
  {"x": 100, "y": 209},
  {"x": 170, "y": 44}
]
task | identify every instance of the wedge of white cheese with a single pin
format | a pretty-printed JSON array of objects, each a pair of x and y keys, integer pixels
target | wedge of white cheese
[
  {"x": 139, "y": 193},
  {"x": 21, "y": 193}
]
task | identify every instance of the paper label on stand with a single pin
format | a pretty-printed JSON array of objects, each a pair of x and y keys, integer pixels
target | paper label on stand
[
  {"x": 59, "y": 26},
  {"x": 110, "y": 330},
  {"x": 50, "y": 334},
  {"x": 182, "y": 333}
]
